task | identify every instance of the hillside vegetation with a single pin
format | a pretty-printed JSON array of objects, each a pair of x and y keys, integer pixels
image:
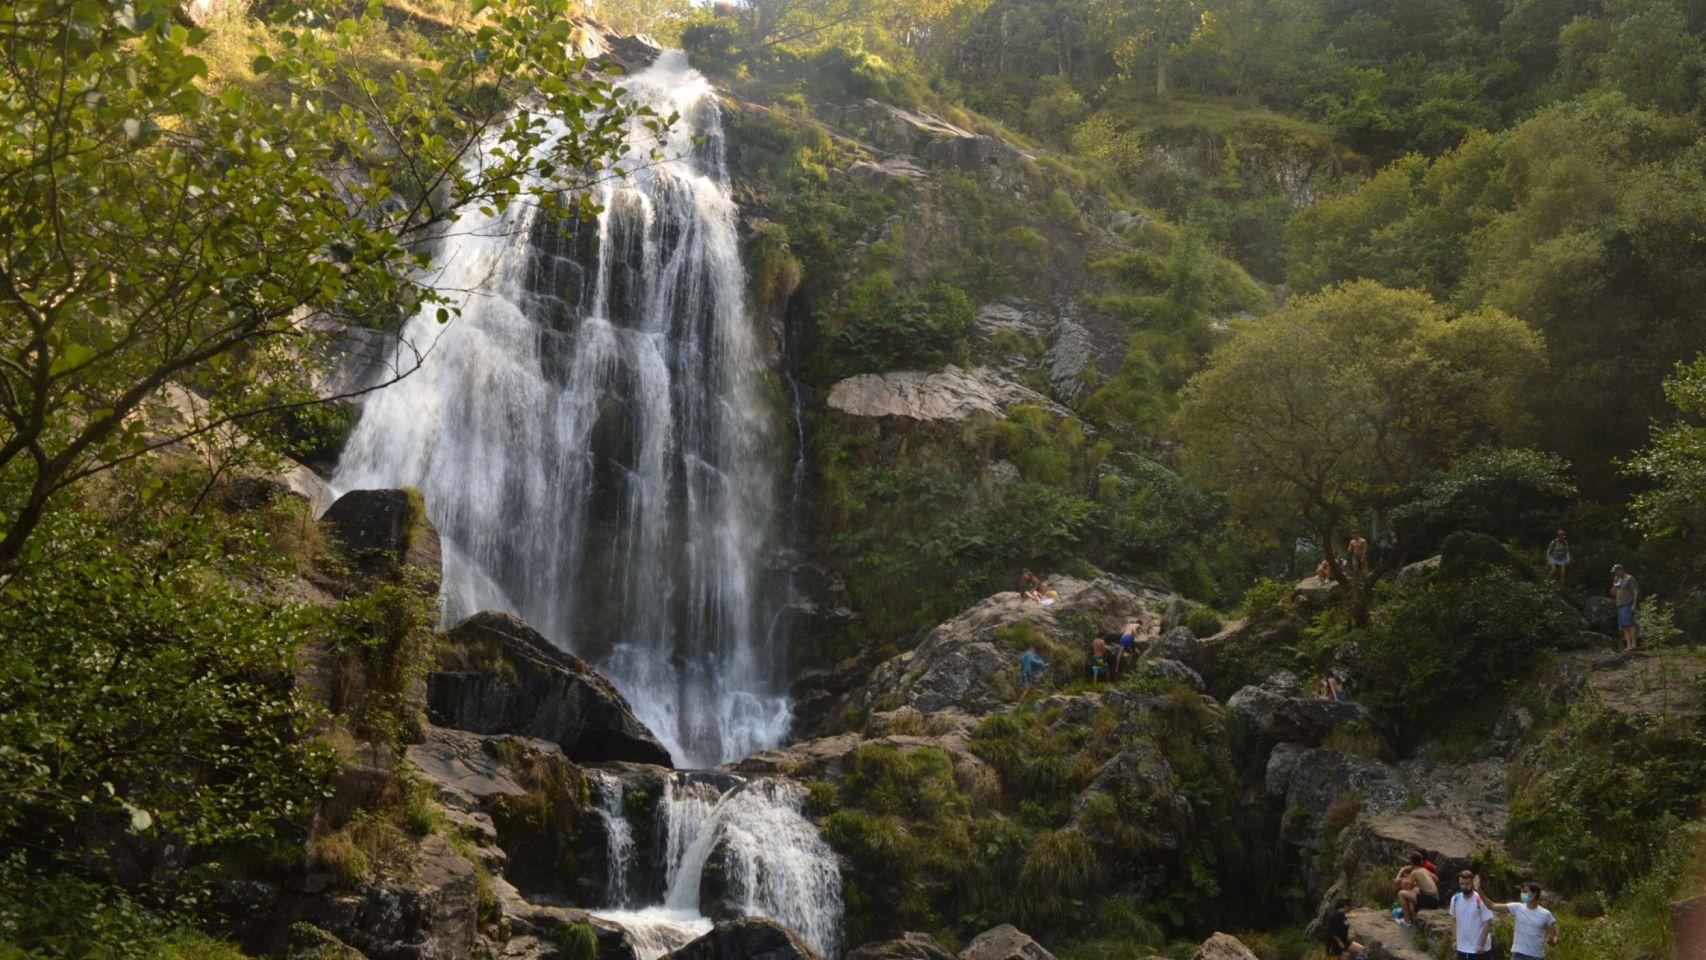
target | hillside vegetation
[{"x": 1205, "y": 289}]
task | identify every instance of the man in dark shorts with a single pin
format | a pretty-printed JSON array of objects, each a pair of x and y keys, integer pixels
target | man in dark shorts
[
  {"x": 1339, "y": 942},
  {"x": 1418, "y": 889}
]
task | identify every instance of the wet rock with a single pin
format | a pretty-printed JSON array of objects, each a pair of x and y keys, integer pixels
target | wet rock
[
  {"x": 951, "y": 393},
  {"x": 1005, "y": 942},
  {"x": 1224, "y": 946},
  {"x": 748, "y": 938},
  {"x": 809, "y": 758},
  {"x": 383, "y": 531},
  {"x": 907, "y": 946},
  {"x": 504, "y": 677}
]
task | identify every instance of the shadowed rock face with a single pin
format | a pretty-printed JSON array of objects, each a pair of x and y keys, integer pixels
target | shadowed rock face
[
  {"x": 384, "y": 530},
  {"x": 512, "y": 680},
  {"x": 749, "y": 938}
]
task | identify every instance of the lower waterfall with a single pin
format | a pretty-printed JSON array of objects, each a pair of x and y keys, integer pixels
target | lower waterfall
[{"x": 746, "y": 843}]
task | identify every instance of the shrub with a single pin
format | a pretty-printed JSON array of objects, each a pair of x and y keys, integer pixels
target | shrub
[
  {"x": 919, "y": 329},
  {"x": 1202, "y": 622},
  {"x": 576, "y": 940}
]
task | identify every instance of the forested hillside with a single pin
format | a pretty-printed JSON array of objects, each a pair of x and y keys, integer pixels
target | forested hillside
[{"x": 1166, "y": 459}]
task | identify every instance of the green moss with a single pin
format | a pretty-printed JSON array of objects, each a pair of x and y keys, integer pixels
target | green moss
[{"x": 576, "y": 940}]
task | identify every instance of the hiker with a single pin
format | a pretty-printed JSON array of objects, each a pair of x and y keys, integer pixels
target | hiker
[
  {"x": 1558, "y": 557},
  {"x": 1339, "y": 942},
  {"x": 1128, "y": 645},
  {"x": 1030, "y": 587},
  {"x": 1358, "y": 550},
  {"x": 1418, "y": 889},
  {"x": 1029, "y": 664},
  {"x": 1471, "y": 919},
  {"x": 1098, "y": 659},
  {"x": 1536, "y": 928},
  {"x": 1628, "y": 593}
]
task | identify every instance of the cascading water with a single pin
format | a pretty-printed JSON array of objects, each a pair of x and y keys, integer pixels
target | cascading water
[
  {"x": 768, "y": 858},
  {"x": 592, "y": 437}
]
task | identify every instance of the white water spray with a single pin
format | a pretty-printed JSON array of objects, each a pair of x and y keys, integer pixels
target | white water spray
[{"x": 592, "y": 439}]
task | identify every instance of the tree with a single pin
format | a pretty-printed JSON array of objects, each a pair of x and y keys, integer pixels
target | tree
[
  {"x": 1335, "y": 407},
  {"x": 1674, "y": 461},
  {"x": 159, "y": 225},
  {"x": 1152, "y": 30}
]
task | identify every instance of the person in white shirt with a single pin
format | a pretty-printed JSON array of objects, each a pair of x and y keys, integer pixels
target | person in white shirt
[
  {"x": 1536, "y": 928},
  {"x": 1471, "y": 919}
]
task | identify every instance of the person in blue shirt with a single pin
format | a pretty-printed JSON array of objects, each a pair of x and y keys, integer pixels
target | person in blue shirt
[{"x": 1029, "y": 665}]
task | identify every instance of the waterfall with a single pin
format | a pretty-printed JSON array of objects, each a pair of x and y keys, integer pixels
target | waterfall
[
  {"x": 619, "y": 839},
  {"x": 770, "y": 860},
  {"x": 593, "y": 438}
]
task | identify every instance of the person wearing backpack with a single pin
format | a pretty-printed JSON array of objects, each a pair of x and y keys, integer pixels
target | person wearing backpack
[{"x": 1471, "y": 919}]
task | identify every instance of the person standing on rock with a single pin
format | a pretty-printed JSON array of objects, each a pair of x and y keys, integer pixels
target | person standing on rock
[
  {"x": 1627, "y": 593},
  {"x": 1418, "y": 889},
  {"x": 1536, "y": 928},
  {"x": 1098, "y": 659},
  {"x": 1358, "y": 550},
  {"x": 1339, "y": 942},
  {"x": 1471, "y": 919},
  {"x": 1558, "y": 558}
]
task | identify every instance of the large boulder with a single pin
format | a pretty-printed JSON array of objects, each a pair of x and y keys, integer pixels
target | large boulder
[
  {"x": 1005, "y": 942},
  {"x": 499, "y": 675},
  {"x": 907, "y": 946},
  {"x": 384, "y": 531},
  {"x": 426, "y": 911},
  {"x": 1139, "y": 770},
  {"x": 971, "y": 662},
  {"x": 1224, "y": 946},
  {"x": 748, "y": 938},
  {"x": 1315, "y": 781},
  {"x": 1280, "y": 713},
  {"x": 951, "y": 393}
]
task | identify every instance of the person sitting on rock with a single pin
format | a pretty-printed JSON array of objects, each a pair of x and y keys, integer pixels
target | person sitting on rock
[
  {"x": 1323, "y": 689},
  {"x": 1030, "y": 586},
  {"x": 1418, "y": 889},
  {"x": 1324, "y": 570},
  {"x": 1029, "y": 664},
  {"x": 1536, "y": 928},
  {"x": 1336, "y": 689},
  {"x": 1339, "y": 942}
]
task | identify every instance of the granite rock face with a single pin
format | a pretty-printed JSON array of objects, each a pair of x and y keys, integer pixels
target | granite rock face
[
  {"x": 1005, "y": 942},
  {"x": 502, "y": 676}
]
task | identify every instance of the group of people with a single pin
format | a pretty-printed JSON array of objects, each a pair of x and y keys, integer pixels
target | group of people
[
  {"x": 1107, "y": 660},
  {"x": 1472, "y": 915},
  {"x": 1353, "y": 564},
  {"x": 1625, "y": 591}
]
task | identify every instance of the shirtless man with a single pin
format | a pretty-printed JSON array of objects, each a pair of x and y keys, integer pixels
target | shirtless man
[
  {"x": 1358, "y": 550},
  {"x": 1418, "y": 889}
]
